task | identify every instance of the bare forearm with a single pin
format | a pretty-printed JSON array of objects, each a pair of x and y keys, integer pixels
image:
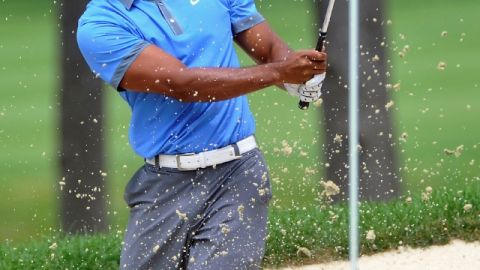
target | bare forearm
[
  {"x": 215, "y": 84},
  {"x": 278, "y": 51},
  {"x": 266, "y": 47},
  {"x": 155, "y": 71},
  {"x": 263, "y": 45}
]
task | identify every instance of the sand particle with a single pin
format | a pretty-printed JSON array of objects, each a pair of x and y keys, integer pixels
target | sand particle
[
  {"x": 304, "y": 252},
  {"x": 389, "y": 105},
  {"x": 182, "y": 216},
  {"x": 53, "y": 246},
  {"x": 441, "y": 66},
  {"x": 371, "y": 236},
  {"x": 241, "y": 209}
]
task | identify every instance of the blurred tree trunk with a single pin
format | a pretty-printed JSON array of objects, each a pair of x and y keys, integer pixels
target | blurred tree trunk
[
  {"x": 379, "y": 178},
  {"x": 81, "y": 148}
]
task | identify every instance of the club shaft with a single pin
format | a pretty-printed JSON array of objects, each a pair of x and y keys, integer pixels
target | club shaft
[
  {"x": 321, "y": 42},
  {"x": 328, "y": 15}
]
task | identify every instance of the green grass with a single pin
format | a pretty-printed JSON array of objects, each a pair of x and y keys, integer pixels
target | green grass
[
  {"x": 432, "y": 105},
  {"x": 28, "y": 106},
  {"x": 323, "y": 232},
  {"x": 29, "y": 110},
  {"x": 74, "y": 252},
  {"x": 398, "y": 223}
]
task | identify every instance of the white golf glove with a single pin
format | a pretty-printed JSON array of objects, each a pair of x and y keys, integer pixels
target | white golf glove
[
  {"x": 312, "y": 89},
  {"x": 292, "y": 89},
  {"x": 308, "y": 92}
]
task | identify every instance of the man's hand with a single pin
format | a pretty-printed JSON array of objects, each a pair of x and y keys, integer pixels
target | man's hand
[
  {"x": 301, "y": 66},
  {"x": 310, "y": 90},
  {"x": 264, "y": 46}
]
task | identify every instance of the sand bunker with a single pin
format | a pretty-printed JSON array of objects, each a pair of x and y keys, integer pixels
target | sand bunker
[{"x": 454, "y": 256}]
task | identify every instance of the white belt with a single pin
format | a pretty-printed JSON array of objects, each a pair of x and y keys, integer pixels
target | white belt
[{"x": 190, "y": 162}]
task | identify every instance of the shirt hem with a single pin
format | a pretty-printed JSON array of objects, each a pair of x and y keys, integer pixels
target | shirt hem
[
  {"x": 126, "y": 63},
  {"x": 247, "y": 23}
]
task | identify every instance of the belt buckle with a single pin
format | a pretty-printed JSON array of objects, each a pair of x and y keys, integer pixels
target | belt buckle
[{"x": 179, "y": 164}]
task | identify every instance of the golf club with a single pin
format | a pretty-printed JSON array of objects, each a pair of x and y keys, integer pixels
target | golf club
[{"x": 321, "y": 41}]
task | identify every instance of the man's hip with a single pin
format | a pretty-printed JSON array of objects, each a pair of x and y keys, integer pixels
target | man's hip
[{"x": 191, "y": 162}]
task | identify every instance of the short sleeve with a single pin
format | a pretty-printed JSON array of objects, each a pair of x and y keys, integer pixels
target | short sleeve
[
  {"x": 244, "y": 15},
  {"x": 109, "y": 49}
]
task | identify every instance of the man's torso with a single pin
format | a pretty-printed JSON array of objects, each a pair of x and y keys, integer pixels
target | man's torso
[{"x": 199, "y": 34}]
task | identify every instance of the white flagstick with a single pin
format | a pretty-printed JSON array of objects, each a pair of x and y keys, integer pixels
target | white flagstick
[{"x": 353, "y": 130}]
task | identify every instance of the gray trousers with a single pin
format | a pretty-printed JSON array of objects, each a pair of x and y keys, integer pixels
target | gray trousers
[{"x": 212, "y": 218}]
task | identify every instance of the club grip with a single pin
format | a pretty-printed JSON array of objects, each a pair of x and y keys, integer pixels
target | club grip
[{"x": 320, "y": 43}]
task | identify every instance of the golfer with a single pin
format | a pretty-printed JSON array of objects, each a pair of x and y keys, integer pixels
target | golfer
[{"x": 200, "y": 200}]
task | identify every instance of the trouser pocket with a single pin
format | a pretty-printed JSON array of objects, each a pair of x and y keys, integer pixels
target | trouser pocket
[{"x": 150, "y": 183}]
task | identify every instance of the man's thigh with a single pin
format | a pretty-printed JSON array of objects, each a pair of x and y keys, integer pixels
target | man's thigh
[
  {"x": 157, "y": 231},
  {"x": 212, "y": 218},
  {"x": 232, "y": 234}
]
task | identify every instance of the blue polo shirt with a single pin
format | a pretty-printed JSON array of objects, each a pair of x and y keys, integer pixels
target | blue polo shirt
[{"x": 112, "y": 33}]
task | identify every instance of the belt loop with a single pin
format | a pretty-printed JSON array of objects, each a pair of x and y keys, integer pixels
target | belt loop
[
  {"x": 201, "y": 157},
  {"x": 157, "y": 161},
  {"x": 236, "y": 149}
]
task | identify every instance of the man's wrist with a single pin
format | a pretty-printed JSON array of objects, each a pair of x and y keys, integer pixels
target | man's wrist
[{"x": 273, "y": 71}]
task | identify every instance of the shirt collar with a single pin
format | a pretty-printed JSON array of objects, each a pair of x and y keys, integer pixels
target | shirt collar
[{"x": 127, "y": 3}]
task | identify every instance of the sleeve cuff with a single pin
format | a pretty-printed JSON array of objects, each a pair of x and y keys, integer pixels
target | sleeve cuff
[
  {"x": 126, "y": 63},
  {"x": 247, "y": 23}
]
